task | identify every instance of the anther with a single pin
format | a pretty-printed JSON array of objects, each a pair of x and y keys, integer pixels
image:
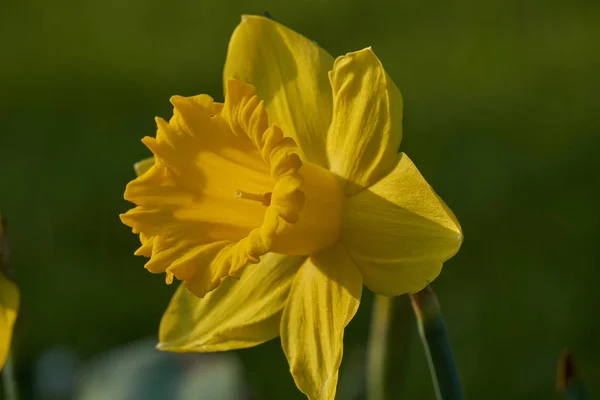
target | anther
[{"x": 265, "y": 199}]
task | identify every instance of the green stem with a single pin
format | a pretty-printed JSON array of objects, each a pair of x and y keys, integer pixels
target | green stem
[
  {"x": 377, "y": 359},
  {"x": 8, "y": 380},
  {"x": 432, "y": 330}
]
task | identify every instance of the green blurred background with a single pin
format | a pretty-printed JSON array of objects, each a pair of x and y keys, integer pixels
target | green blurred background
[{"x": 501, "y": 116}]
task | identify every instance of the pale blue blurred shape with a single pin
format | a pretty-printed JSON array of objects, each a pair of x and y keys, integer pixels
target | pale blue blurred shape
[
  {"x": 139, "y": 371},
  {"x": 55, "y": 374}
]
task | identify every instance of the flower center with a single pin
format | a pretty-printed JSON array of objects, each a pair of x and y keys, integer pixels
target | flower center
[
  {"x": 265, "y": 199},
  {"x": 318, "y": 224}
]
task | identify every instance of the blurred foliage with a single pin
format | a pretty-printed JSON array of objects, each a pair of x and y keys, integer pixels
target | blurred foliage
[{"x": 501, "y": 116}]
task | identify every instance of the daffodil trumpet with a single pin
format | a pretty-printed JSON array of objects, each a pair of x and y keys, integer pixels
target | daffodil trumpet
[{"x": 276, "y": 206}]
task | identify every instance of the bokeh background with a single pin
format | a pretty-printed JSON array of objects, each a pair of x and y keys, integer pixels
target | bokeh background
[{"x": 501, "y": 115}]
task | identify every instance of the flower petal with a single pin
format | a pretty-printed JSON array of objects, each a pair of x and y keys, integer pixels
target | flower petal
[
  {"x": 399, "y": 232},
  {"x": 289, "y": 72},
  {"x": 9, "y": 307},
  {"x": 366, "y": 128},
  {"x": 240, "y": 313},
  {"x": 324, "y": 298}
]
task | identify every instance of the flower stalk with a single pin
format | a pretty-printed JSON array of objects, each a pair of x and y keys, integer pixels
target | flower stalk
[
  {"x": 377, "y": 359},
  {"x": 432, "y": 330},
  {"x": 8, "y": 380},
  {"x": 388, "y": 343}
]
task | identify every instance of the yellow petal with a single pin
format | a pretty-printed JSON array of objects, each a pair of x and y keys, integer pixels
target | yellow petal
[
  {"x": 289, "y": 72},
  {"x": 399, "y": 232},
  {"x": 324, "y": 298},
  {"x": 9, "y": 307},
  {"x": 366, "y": 128},
  {"x": 240, "y": 313}
]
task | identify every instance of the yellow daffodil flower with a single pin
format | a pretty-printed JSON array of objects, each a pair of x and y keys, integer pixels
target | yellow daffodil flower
[
  {"x": 9, "y": 302},
  {"x": 275, "y": 207}
]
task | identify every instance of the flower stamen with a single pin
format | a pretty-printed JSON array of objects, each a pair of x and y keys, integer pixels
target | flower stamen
[{"x": 265, "y": 199}]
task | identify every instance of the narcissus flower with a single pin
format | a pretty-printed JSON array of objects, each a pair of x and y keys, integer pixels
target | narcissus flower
[
  {"x": 275, "y": 207},
  {"x": 9, "y": 301}
]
